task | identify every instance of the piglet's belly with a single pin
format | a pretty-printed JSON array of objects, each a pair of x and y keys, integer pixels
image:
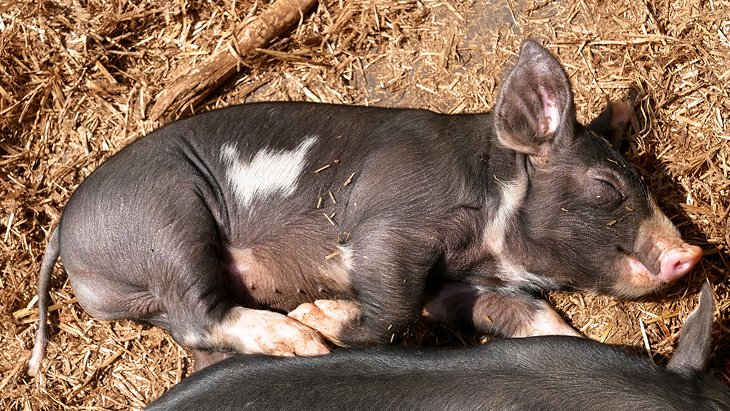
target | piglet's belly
[{"x": 261, "y": 277}]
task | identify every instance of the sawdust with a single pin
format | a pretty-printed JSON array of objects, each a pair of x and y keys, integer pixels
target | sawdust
[{"x": 78, "y": 79}]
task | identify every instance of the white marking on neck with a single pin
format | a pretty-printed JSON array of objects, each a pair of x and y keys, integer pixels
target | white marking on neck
[
  {"x": 519, "y": 278},
  {"x": 346, "y": 255},
  {"x": 267, "y": 173},
  {"x": 512, "y": 196}
]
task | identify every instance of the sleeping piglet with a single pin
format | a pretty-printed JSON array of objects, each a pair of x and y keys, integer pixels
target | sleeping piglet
[
  {"x": 535, "y": 373},
  {"x": 353, "y": 220}
]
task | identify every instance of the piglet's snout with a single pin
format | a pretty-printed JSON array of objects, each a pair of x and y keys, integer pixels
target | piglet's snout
[
  {"x": 678, "y": 261},
  {"x": 661, "y": 250}
]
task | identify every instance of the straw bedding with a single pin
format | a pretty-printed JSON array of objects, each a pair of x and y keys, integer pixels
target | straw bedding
[{"x": 78, "y": 79}]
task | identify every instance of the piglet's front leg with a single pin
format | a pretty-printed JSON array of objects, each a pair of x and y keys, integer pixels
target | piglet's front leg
[
  {"x": 265, "y": 332},
  {"x": 387, "y": 275},
  {"x": 506, "y": 313},
  {"x": 329, "y": 317}
]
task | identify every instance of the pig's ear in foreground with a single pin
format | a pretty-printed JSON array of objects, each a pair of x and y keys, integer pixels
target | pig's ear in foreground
[
  {"x": 693, "y": 350},
  {"x": 534, "y": 113}
]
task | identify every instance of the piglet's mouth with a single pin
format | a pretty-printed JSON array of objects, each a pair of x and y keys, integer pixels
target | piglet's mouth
[{"x": 639, "y": 270}]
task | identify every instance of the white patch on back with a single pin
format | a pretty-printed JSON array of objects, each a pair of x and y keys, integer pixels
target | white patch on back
[{"x": 268, "y": 172}]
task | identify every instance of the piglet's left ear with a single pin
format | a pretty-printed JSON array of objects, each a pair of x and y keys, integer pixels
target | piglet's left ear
[{"x": 535, "y": 112}]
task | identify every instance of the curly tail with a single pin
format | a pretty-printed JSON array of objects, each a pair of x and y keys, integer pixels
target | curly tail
[{"x": 44, "y": 284}]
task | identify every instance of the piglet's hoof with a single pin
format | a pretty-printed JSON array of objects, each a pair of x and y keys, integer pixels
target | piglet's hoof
[
  {"x": 289, "y": 338},
  {"x": 329, "y": 317},
  {"x": 265, "y": 332}
]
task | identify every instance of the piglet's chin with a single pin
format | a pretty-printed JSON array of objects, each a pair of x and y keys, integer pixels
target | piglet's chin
[
  {"x": 638, "y": 270},
  {"x": 635, "y": 279}
]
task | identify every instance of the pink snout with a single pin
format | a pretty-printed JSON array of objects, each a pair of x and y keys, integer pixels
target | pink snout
[{"x": 678, "y": 261}]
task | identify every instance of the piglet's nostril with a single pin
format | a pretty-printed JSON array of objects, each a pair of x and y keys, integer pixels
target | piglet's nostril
[{"x": 678, "y": 261}]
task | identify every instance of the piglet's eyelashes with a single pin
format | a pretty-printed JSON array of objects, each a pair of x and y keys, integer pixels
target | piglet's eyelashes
[{"x": 603, "y": 193}]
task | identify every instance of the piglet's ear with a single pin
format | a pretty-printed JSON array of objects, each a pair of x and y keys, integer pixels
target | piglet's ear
[
  {"x": 534, "y": 112},
  {"x": 612, "y": 122},
  {"x": 695, "y": 340}
]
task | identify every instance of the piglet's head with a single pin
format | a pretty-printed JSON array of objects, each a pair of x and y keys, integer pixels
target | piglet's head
[{"x": 586, "y": 220}]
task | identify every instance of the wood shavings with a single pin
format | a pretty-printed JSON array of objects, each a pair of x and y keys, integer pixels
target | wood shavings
[{"x": 78, "y": 81}]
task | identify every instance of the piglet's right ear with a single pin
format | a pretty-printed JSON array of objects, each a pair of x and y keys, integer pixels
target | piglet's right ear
[
  {"x": 535, "y": 112},
  {"x": 612, "y": 122}
]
